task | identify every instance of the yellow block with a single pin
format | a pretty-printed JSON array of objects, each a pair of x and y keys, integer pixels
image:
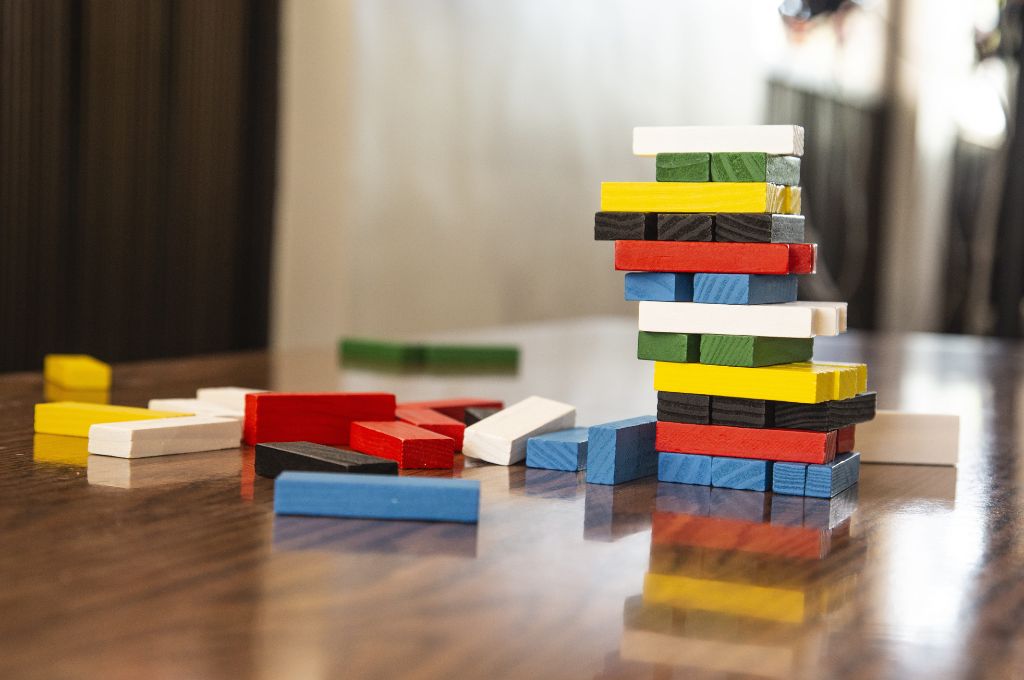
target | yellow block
[
  {"x": 861, "y": 369},
  {"x": 741, "y": 197},
  {"x": 806, "y": 383},
  {"x": 76, "y": 371},
  {"x": 54, "y": 392},
  {"x": 74, "y": 418},
  {"x": 791, "y": 200},
  {"x": 53, "y": 448},
  {"x": 740, "y": 599}
]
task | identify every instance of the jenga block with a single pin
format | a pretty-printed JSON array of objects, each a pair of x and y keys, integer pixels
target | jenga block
[
  {"x": 696, "y": 197},
  {"x": 678, "y": 347},
  {"x": 164, "y": 436},
  {"x": 622, "y": 451},
  {"x": 742, "y": 442},
  {"x": 715, "y": 258},
  {"x": 684, "y": 408},
  {"x": 562, "y": 450},
  {"x": 819, "y": 481},
  {"x": 755, "y": 167},
  {"x": 454, "y": 408},
  {"x": 806, "y": 382},
  {"x": 684, "y": 468},
  {"x": 780, "y": 140},
  {"x": 739, "y": 473},
  {"x": 753, "y": 351},
  {"x": 74, "y": 419},
  {"x": 736, "y": 412},
  {"x": 743, "y": 289},
  {"x": 231, "y": 398},
  {"x": 659, "y": 286},
  {"x": 433, "y": 421},
  {"x": 683, "y": 167},
  {"x": 317, "y": 417},
  {"x": 910, "y": 438},
  {"x": 502, "y": 438},
  {"x": 758, "y": 228},
  {"x": 822, "y": 417},
  {"x": 623, "y": 226},
  {"x": 76, "y": 372},
  {"x": 384, "y": 352},
  {"x": 410, "y": 446},
  {"x": 791, "y": 200},
  {"x": 449, "y": 356},
  {"x": 785, "y": 320},
  {"x": 273, "y": 458},
  {"x": 685, "y": 227}
]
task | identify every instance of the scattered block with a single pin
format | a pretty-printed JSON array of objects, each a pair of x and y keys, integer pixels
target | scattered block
[
  {"x": 910, "y": 438},
  {"x": 163, "y": 436},
  {"x": 622, "y": 451},
  {"x": 683, "y": 167},
  {"x": 326, "y": 494},
  {"x": 562, "y": 450},
  {"x": 74, "y": 419},
  {"x": 232, "y": 398},
  {"x": 755, "y": 167},
  {"x": 273, "y": 458},
  {"x": 662, "y": 286},
  {"x": 807, "y": 382},
  {"x": 743, "y": 442},
  {"x": 739, "y": 473},
  {"x": 76, "y": 372},
  {"x": 320, "y": 418},
  {"x": 780, "y": 140},
  {"x": 410, "y": 446},
  {"x": 625, "y": 226},
  {"x": 783, "y": 320},
  {"x": 759, "y": 228},
  {"x": 716, "y": 258},
  {"x": 679, "y": 347},
  {"x": 502, "y": 438},
  {"x": 434, "y": 421},
  {"x": 752, "y": 351},
  {"x": 383, "y": 352},
  {"x": 685, "y": 227},
  {"x": 743, "y": 289},
  {"x": 195, "y": 407},
  {"x": 684, "y": 408},
  {"x": 684, "y": 468},
  {"x": 694, "y": 197},
  {"x": 474, "y": 414},
  {"x": 471, "y": 356},
  {"x": 454, "y": 408}
]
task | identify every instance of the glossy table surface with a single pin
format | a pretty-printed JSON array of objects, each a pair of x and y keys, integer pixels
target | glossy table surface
[{"x": 176, "y": 567}]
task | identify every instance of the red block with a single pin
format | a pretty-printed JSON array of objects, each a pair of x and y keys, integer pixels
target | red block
[
  {"x": 432, "y": 420},
  {"x": 411, "y": 446},
  {"x": 321, "y": 418},
  {"x": 793, "y": 446},
  {"x": 453, "y": 408},
  {"x": 845, "y": 439},
  {"x": 719, "y": 258}
]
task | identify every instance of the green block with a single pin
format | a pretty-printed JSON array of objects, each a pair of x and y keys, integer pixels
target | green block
[
  {"x": 755, "y": 167},
  {"x": 751, "y": 351},
  {"x": 783, "y": 170},
  {"x": 680, "y": 348},
  {"x": 471, "y": 356},
  {"x": 380, "y": 352},
  {"x": 682, "y": 167}
]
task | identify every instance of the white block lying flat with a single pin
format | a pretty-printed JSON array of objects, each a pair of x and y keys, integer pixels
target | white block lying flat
[
  {"x": 195, "y": 407},
  {"x": 232, "y": 398},
  {"x": 142, "y": 438},
  {"x": 501, "y": 438},
  {"x": 839, "y": 306},
  {"x": 910, "y": 438},
  {"x": 779, "y": 140},
  {"x": 786, "y": 320}
]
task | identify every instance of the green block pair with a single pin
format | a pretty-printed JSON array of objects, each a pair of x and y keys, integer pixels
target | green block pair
[
  {"x": 682, "y": 167},
  {"x": 748, "y": 351},
  {"x": 418, "y": 355},
  {"x": 755, "y": 167}
]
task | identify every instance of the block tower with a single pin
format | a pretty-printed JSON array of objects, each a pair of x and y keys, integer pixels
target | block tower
[{"x": 713, "y": 250}]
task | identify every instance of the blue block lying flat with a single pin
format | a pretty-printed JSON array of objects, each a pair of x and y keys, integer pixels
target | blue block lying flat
[
  {"x": 684, "y": 468},
  {"x": 562, "y": 450},
  {"x": 744, "y": 289},
  {"x": 659, "y": 287},
  {"x": 329, "y": 494},
  {"x": 621, "y": 451},
  {"x": 741, "y": 473},
  {"x": 826, "y": 481},
  {"x": 789, "y": 478}
]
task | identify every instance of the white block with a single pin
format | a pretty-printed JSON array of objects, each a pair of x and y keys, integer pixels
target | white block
[
  {"x": 232, "y": 398},
  {"x": 501, "y": 438},
  {"x": 786, "y": 320},
  {"x": 778, "y": 140},
  {"x": 839, "y": 306},
  {"x": 164, "y": 436},
  {"x": 195, "y": 407},
  {"x": 910, "y": 438}
]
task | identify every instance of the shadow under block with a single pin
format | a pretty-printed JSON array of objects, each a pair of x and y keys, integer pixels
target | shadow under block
[
  {"x": 740, "y": 473},
  {"x": 273, "y": 458},
  {"x": 758, "y": 228},
  {"x": 410, "y": 446},
  {"x": 474, "y": 414},
  {"x": 806, "y": 382},
  {"x": 684, "y": 468},
  {"x": 232, "y": 398},
  {"x": 715, "y": 258},
  {"x": 910, "y": 438},
  {"x": 678, "y": 347},
  {"x": 684, "y": 408},
  {"x": 778, "y": 140},
  {"x": 683, "y": 167},
  {"x": 327, "y": 494},
  {"x": 454, "y": 408},
  {"x": 76, "y": 372},
  {"x": 562, "y": 450},
  {"x": 695, "y": 197},
  {"x": 622, "y": 451},
  {"x": 685, "y": 227},
  {"x": 797, "y": 446},
  {"x": 661, "y": 286},
  {"x": 74, "y": 419},
  {"x": 501, "y": 438},
  {"x": 739, "y": 599},
  {"x": 743, "y": 289},
  {"x": 755, "y": 166},
  {"x": 782, "y": 320},
  {"x": 751, "y": 351},
  {"x": 818, "y": 481},
  {"x": 164, "y": 436},
  {"x": 625, "y": 226},
  {"x": 317, "y": 417},
  {"x": 434, "y": 421},
  {"x": 380, "y": 352}
]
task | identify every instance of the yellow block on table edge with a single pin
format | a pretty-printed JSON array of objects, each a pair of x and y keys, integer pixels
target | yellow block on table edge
[{"x": 73, "y": 419}]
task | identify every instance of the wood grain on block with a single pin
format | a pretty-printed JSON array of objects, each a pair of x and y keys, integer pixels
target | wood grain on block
[
  {"x": 684, "y": 468},
  {"x": 779, "y": 140},
  {"x": 738, "y": 599},
  {"x": 683, "y": 167},
  {"x": 719, "y": 533},
  {"x": 433, "y": 421},
  {"x": 663, "y": 286},
  {"x": 859, "y": 373},
  {"x": 232, "y": 398},
  {"x": 693, "y": 197},
  {"x": 739, "y": 166},
  {"x": 195, "y": 407},
  {"x": 685, "y": 227},
  {"x": 791, "y": 200},
  {"x": 562, "y": 450},
  {"x": 789, "y": 479},
  {"x": 806, "y": 382},
  {"x": 163, "y": 436},
  {"x": 679, "y": 347},
  {"x": 76, "y": 372},
  {"x": 625, "y": 226},
  {"x": 455, "y": 407},
  {"x": 844, "y": 412},
  {"x": 826, "y": 481},
  {"x": 622, "y": 451},
  {"x": 822, "y": 417},
  {"x": 317, "y": 417},
  {"x": 845, "y": 439},
  {"x": 502, "y": 438},
  {"x": 735, "y": 412},
  {"x": 758, "y": 228},
  {"x": 743, "y": 289},
  {"x": 838, "y": 307},
  {"x": 273, "y": 458},
  {"x": 720, "y": 258},
  {"x": 474, "y": 414},
  {"x": 410, "y": 446},
  {"x": 73, "y": 419},
  {"x": 753, "y": 351},
  {"x": 325, "y": 494},
  {"x": 783, "y": 170},
  {"x": 743, "y": 442},
  {"x": 684, "y": 408},
  {"x": 783, "y": 320},
  {"x": 740, "y": 473}
]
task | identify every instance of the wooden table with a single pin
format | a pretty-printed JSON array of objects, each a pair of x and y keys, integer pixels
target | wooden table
[{"x": 176, "y": 567}]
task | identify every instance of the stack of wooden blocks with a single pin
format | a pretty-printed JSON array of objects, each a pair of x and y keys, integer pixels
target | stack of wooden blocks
[{"x": 714, "y": 248}]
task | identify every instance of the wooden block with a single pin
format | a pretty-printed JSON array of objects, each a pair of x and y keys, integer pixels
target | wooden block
[
  {"x": 562, "y": 450},
  {"x": 679, "y": 347},
  {"x": 743, "y": 289},
  {"x": 502, "y": 438},
  {"x": 826, "y": 481},
  {"x": 454, "y": 408},
  {"x": 694, "y": 197},
  {"x": 60, "y": 450},
  {"x": 790, "y": 479},
  {"x": 54, "y": 392},
  {"x": 163, "y": 436},
  {"x": 735, "y": 412},
  {"x": 685, "y": 227},
  {"x": 716, "y": 258},
  {"x": 784, "y": 320},
  {"x": 384, "y": 352},
  {"x": 74, "y": 419},
  {"x": 474, "y": 414},
  {"x": 434, "y": 421},
  {"x": 740, "y": 473},
  {"x": 859, "y": 376},
  {"x": 806, "y": 383},
  {"x": 753, "y": 351},
  {"x": 841, "y": 412},
  {"x": 743, "y": 442},
  {"x": 231, "y": 398},
  {"x": 327, "y": 494},
  {"x": 663, "y": 286},
  {"x": 410, "y": 446},
  {"x": 317, "y": 417},
  {"x": 622, "y": 451},
  {"x": 683, "y": 167},
  {"x": 738, "y": 599},
  {"x": 845, "y": 439},
  {"x": 470, "y": 356},
  {"x": 684, "y": 468},
  {"x": 755, "y": 167},
  {"x": 684, "y": 408},
  {"x": 780, "y": 140},
  {"x": 758, "y": 228},
  {"x": 76, "y": 372},
  {"x": 821, "y": 417},
  {"x": 838, "y": 307},
  {"x": 791, "y": 201},
  {"x": 198, "y": 408},
  {"x": 273, "y": 458},
  {"x": 625, "y": 226}
]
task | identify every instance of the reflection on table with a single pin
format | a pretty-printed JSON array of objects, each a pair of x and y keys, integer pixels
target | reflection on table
[{"x": 184, "y": 468}]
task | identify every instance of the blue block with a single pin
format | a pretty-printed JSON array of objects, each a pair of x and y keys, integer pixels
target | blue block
[
  {"x": 659, "y": 286},
  {"x": 826, "y": 481},
  {"x": 789, "y": 478},
  {"x": 330, "y": 494},
  {"x": 741, "y": 473},
  {"x": 744, "y": 289},
  {"x": 562, "y": 450},
  {"x": 684, "y": 468},
  {"x": 622, "y": 451}
]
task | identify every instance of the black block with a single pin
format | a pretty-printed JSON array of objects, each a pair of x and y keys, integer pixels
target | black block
[
  {"x": 685, "y": 227},
  {"x": 759, "y": 228},
  {"x": 791, "y": 416},
  {"x": 274, "y": 458},
  {"x": 858, "y": 409},
  {"x": 475, "y": 414},
  {"x": 674, "y": 407},
  {"x": 741, "y": 412},
  {"x": 625, "y": 226}
]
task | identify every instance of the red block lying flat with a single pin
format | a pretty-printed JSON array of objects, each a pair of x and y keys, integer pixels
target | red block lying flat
[
  {"x": 720, "y": 258},
  {"x": 793, "y": 446},
  {"x": 411, "y": 446},
  {"x": 432, "y": 420},
  {"x": 844, "y": 439},
  {"x": 453, "y": 408},
  {"x": 321, "y": 418}
]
